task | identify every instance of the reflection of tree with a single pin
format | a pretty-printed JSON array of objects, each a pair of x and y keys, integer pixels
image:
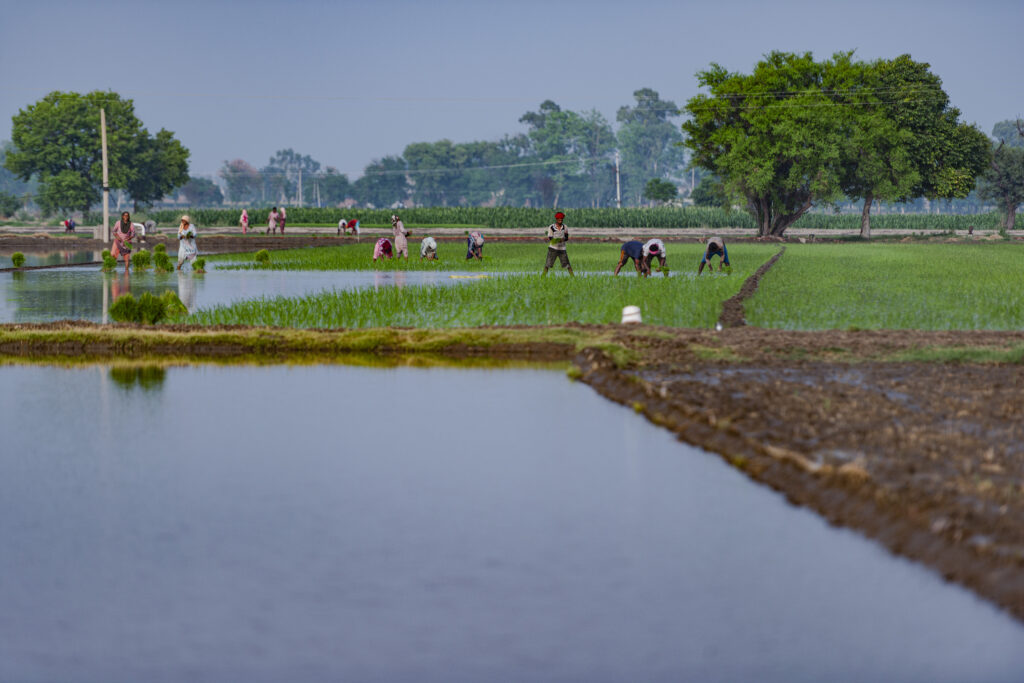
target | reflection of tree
[{"x": 146, "y": 377}]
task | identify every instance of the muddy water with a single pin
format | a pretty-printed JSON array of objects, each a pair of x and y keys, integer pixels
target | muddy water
[
  {"x": 337, "y": 523},
  {"x": 86, "y": 293}
]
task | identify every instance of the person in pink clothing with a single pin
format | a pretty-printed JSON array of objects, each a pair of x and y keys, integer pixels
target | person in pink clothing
[
  {"x": 244, "y": 221},
  {"x": 282, "y": 216},
  {"x": 401, "y": 244},
  {"x": 272, "y": 221},
  {"x": 382, "y": 249},
  {"x": 124, "y": 233}
]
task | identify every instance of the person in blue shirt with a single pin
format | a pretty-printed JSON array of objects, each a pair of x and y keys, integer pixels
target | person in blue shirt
[
  {"x": 634, "y": 249},
  {"x": 715, "y": 247}
]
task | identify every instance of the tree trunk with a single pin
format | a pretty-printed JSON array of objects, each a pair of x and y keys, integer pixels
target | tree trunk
[
  {"x": 865, "y": 218},
  {"x": 1011, "y": 217}
]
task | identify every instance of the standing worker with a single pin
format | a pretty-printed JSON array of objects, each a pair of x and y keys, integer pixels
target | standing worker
[
  {"x": 428, "y": 249},
  {"x": 401, "y": 243},
  {"x": 282, "y": 216},
  {"x": 557, "y": 236},
  {"x": 655, "y": 249},
  {"x": 475, "y": 245},
  {"x": 124, "y": 233},
  {"x": 272, "y": 221},
  {"x": 633, "y": 250},
  {"x": 715, "y": 247},
  {"x": 186, "y": 242},
  {"x": 244, "y": 221}
]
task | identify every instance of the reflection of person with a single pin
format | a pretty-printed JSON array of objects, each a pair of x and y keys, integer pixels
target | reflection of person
[
  {"x": 272, "y": 221},
  {"x": 428, "y": 249},
  {"x": 124, "y": 233},
  {"x": 655, "y": 249},
  {"x": 401, "y": 244},
  {"x": 475, "y": 245},
  {"x": 186, "y": 242},
  {"x": 282, "y": 216},
  {"x": 715, "y": 247},
  {"x": 633, "y": 250},
  {"x": 557, "y": 236},
  {"x": 187, "y": 291},
  {"x": 244, "y": 221},
  {"x": 120, "y": 286},
  {"x": 382, "y": 249}
]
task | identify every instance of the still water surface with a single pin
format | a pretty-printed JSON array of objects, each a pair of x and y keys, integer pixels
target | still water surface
[
  {"x": 331, "y": 523},
  {"x": 86, "y": 293}
]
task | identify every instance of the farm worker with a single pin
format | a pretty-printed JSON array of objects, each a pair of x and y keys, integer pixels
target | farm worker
[
  {"x": 475, "y": 245},
  {"x": 282, "y": 216},
  {"x": 244, "y": 221},
  {"x": 428, "y": 249},
  {"x": 186, "y": 242},
  {"x": 401, "y": 244},
  {"x": 342, "y": 225},
  {"x": 715, "y": 247},
  {"x": 382, "y": 249},
  {"x": 557, "y": 236},
  {"x": 69, "y": 225},
  {"x": 655, "y": 249},
  {"x": 124, "y": 233},
  {"x": 272, "y": 221},
  {"x": 633, "y": 250},
  {"x": 352, "y": 225}
]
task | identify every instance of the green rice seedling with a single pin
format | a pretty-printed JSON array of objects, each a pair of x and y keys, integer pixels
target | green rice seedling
[
  {"x": 18, "y": 259},
  {"x": 160, "y": 248},
  {"x": 199, "y": 265},
  {"x": 893, "y": 286},
  {"x": 105, "y": 254},
  {"x": 148, "y": 309},
  {"x": 263, "y": 257},
  {"x": 142, "y": 259},
  {"x": 162, "y": 262},
  {"x": 109, "y": 262},
  {"x": 125, "y": 309},
  {"x": 173, "y": 308}
]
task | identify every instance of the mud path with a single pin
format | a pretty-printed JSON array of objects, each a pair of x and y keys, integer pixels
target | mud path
[{"x": 733, "y": 314}]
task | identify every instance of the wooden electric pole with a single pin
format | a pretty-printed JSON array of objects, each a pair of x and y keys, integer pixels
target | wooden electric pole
[{"x": 106, "y": 181}]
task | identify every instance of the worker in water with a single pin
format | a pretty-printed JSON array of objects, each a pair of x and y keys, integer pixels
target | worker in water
[
  {"x": 634, "y": 251},
  {"x": 428, "y": 249},
  {"x": 714, "y": 246},
  {"x": 655, "y": 249},
  {"x": 557, "y": 235}
]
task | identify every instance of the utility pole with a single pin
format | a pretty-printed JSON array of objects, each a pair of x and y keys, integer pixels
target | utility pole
[
  {"x": 300, "y": 186},
  {"x": 106, "y": 183},
  {"x": 618, "y": 192}
]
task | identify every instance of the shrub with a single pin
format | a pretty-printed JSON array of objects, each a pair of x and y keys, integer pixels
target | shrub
[
  {"x": 105, "y": 254},
  {"x": 18, "y": 259},
  {"x": 263, "y": 256},
  {"x": 147, "y": 308},
  {"x": 142, "y": 259}
]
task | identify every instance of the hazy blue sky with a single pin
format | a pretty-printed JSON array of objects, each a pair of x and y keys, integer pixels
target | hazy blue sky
[{"x": 350, "y": 81}]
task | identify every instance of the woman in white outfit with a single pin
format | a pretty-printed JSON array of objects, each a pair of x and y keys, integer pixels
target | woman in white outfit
[{"x": 186, "y": 242}]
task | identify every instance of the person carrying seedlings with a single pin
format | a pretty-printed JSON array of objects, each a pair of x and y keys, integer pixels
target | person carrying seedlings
[
  {"x": 272, "y": 221},
  {"x": 475, "y": 245},
  {"x": 557, "y": 235},
  {"x": 633, "y": 250},
  {"x": 715, "y": 247},
  {"x": 382, "y": 249},
  {"x": 401, "y": 243},
  {"x": 282, "y": 217},
  {"x": 428, "y": 249},
  {"x": 186, "y": 242},
  {"x": 124, "y": 233},
  {"x": 244, "y": 221},
  {"x": 655, "y": 249}
]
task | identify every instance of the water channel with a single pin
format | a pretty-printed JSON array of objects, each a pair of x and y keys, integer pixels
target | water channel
[
  {"x": 242, "y": 523},
  {"x": 86, "y": 293}
]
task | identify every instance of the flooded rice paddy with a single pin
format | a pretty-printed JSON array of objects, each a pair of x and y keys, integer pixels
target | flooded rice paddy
[
  {"x": 86, "y": 293},
  {"x": 337, "y": 523}
]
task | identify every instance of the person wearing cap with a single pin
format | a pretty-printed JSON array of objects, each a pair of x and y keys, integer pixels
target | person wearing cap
[
  {"x": 557, "y": 236},
  {"x": 655, "y": 249},
  {"x": 428, "y": 249},
  {"x": 475, "y": 245},
  {"x": 401, "y": 243},
  {"x": 715, "y": 247},
  {"x": 187, "y": 250},
  {"x": 633, "y": 250}
]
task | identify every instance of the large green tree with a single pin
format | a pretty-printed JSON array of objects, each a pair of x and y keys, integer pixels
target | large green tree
[
  {"x": 649, "y": 143},
  {"x": 57, "y": 139},
  {"x": 242, "y": 179},
  {"x": 1003, "y": 181},
  {"x": 161, "y": 164},
  {"x": 771, "y": 136},
  {"x": 383, "y": 183},
  {"x": 202, "y": 192}
]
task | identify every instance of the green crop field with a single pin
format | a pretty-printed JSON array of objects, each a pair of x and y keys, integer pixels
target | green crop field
[
  {"x": 894, "y": 286},
  {"x": 682, "y": 300}
]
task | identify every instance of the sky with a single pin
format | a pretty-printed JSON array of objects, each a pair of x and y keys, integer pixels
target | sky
[{"x": 347, "y": 82}]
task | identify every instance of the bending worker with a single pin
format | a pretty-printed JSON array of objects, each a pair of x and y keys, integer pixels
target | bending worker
[
  {"x": 475, "y": 246},
  {"x": 633, "y": 250},
  {"x": 428, "y": 249},
  {"x": 655, "y": 249},
  {"x": 715, "y": 247}
]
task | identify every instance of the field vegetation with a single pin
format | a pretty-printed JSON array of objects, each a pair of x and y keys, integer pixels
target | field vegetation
[{"x": 895, "y": 286}]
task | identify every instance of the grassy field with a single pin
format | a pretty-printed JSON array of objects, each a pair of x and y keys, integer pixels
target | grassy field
[
  {"x": 505, "y": 298},
  {"x": 894, "y": 286},
  {"x": 508, "y": 257}
]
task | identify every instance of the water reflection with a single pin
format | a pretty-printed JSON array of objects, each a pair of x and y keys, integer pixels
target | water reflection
[
  {"x": 145, "y": 377},
  {"x": 52, "y": 258},
  {"x": 187, "y": 290}
]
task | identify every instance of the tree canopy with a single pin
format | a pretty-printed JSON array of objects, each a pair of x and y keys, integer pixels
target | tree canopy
[{"x": 57, "y": 139}]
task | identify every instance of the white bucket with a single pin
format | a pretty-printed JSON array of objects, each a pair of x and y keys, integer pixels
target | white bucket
[{"x": 631, "y": 314}]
